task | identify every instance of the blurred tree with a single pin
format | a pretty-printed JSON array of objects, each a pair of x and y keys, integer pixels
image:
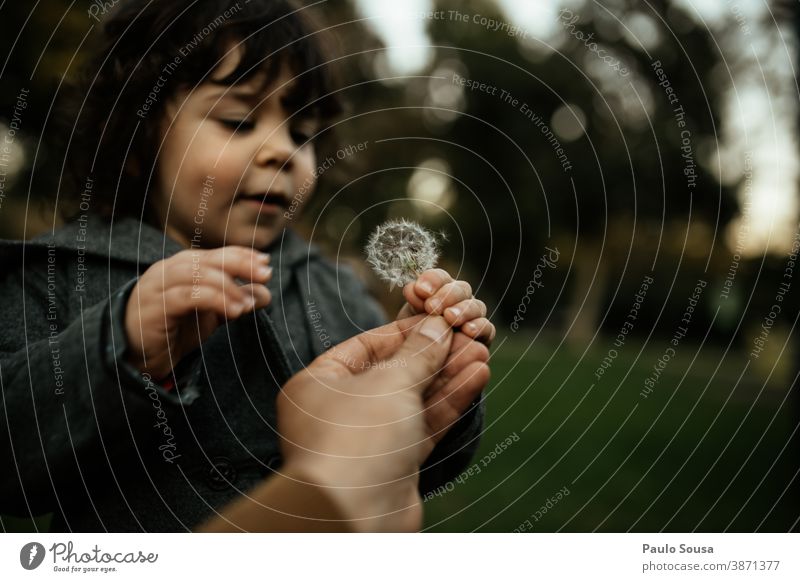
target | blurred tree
[
  {"x": 625, "y": 175},
  {"x": 795, "y": 13},
  {"x": 42, "y": 43},
  {"x": 558, "y": 148},
  {"x": 789, "y": 11}
]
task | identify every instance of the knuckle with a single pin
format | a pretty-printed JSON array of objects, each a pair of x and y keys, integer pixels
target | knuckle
[
  {"x": 230, "y": 254},
  {"x": 244, "y": 253},
  {"x": 474, "y": 305},
  {"x": 484, "y": 373},
  {"x": 225, "y": 304},
  {"x": 161, "y": 266},
  {"x": 443, "y": 275},
  {"x": 436, "y": 276},
  {"x": 483, "y": 353},
  {"x": 477, "y": 351},
  {"x": 440, "y": 293},
  {"x": 188, "y": 295},
  {"x": 184, "y": 268},
  {"x": 231, "y": 260},
  {"x": 452, "y": 289},
  {"x": 455, "y": 289},
  {"x": 241, "y": 264},
  {"x": 246, "y": 260},
  {"x": 185, "y": 256},
  {"x": 469, "y": 311},
  {"x": 481, "y": 326}
]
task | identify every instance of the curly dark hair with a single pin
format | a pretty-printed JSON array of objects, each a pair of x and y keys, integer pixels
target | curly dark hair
[{"x": 148, "y": 50}]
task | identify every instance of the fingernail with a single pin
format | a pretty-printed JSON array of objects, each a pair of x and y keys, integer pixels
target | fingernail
[
  {"x": 472, "y": 327},
  {"x": 427, "y": 287},
  {"x": 264, "y": 272},
  {"x": 435, "y": 305},
  {"x": 455, "y": 311},
  {"x": 248, "y": 302},
  {"x": 435, "y": 328}
]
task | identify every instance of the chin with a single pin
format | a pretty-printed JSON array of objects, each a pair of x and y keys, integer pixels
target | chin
[{"x": 261, "y": 238}]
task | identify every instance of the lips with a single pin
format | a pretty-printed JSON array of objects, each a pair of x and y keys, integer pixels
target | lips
[{"x": 275, "y": 198}]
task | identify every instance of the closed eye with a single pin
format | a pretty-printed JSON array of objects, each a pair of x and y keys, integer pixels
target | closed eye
[
  {"x": 301, "y": 137},
  {"x": 238, "y": 125}
]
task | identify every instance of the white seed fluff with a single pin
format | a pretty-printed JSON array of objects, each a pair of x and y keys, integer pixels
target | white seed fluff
[{"x": 400, "y": 250}]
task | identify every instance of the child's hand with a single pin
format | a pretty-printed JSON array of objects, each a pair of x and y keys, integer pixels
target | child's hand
[
  {"x": 180, "y": 301},
  {"x": 435, "y": 292}
]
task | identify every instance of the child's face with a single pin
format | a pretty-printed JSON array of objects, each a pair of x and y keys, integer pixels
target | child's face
[{"x": 231, "y": 163}]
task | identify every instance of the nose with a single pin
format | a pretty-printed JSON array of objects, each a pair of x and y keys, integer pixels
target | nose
[{"x": 276, "y": 150}]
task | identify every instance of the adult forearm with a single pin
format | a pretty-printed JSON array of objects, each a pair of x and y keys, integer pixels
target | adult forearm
[
  {"x": 293, "y": 501},
  {"x": 280, "y": 504}
]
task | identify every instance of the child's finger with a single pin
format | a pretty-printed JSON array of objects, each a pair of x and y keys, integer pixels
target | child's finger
[
  {"x": 241, "y": 262},
  {"x": 195, "y": 276},
  {"x": 480, "y": 329},
  {"x": 448, "y": 295},
  {"x": 192, "y": 266},
  {"x": 223, "y": 282},
  {"x": 179, "y": 301},
  {"x": 259, "y": 292},
  {"x": 430, "y": 281},
  {"x": 414, "y": 301},
  {"x": 465, "y": 311}
]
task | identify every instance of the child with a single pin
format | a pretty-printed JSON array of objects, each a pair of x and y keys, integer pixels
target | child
[{"x": 139, "y": 364}]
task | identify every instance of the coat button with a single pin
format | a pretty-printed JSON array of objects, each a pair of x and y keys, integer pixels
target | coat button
[{"x": 221, "y": 474}]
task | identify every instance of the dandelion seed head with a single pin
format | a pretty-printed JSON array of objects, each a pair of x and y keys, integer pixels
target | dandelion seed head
[{"x": 400, "y": 250}]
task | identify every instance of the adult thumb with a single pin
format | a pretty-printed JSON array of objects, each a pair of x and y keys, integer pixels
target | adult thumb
[{"x": 424, "y": 351}]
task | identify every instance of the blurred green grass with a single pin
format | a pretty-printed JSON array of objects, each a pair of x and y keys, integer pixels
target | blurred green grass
[{"x": 701, "y": 453}]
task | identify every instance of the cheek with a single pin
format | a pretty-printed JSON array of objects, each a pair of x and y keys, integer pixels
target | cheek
[
  {"x": 205, "y": 154},
  {"x": 224, "y": 158},
  {"x": 305, "y": 168},
  {"x": 169, "y": 160},
  {"x": 226, "y": 164}
]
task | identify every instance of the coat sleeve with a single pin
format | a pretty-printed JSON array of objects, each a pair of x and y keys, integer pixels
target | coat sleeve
[
  {"x": 457, "y": 448},
  {"x": 455, "y": 451},
  {"x": 69, "y": 400}
]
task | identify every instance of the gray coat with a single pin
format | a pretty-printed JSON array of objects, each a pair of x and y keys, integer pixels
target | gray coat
[{"x": 87, "y": 437}]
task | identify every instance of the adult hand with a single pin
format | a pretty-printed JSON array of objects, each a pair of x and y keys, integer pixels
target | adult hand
[
  {"x": 364, "y": 434},
  {"x": 356, "y": 425}
]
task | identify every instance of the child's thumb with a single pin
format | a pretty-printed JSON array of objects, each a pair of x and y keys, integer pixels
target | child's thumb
[{"x": 425, "y": 350}]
